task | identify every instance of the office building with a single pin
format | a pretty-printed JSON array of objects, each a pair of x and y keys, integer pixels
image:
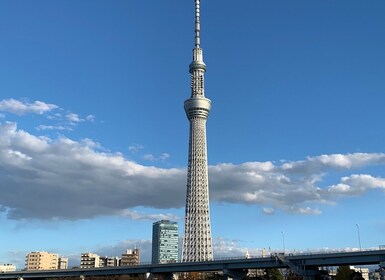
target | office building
[{"x": 164, "y": 242}]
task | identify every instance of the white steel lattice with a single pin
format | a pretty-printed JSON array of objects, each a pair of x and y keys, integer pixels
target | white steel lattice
[{"x": 197, "y": 243}]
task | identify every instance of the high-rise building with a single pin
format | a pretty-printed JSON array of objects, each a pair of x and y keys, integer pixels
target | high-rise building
[
  {"x": 165, "y": 242},
  {"x": 197, "y": 243},
  {"x": 131, "y": 257},
  {"x": 41, "y": 261},
  {"x": 89, "y": 260}
]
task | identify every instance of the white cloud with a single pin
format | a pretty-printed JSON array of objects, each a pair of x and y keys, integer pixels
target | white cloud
[
  {"x": 335, "y": 161},
  {"x": 357, "y": 184},
  {"x": 74, "y": 118},
  {"x": 85, "y": 182},
  {"x": 90, "y": 118},
  {"x": 268, "y": 211},
  {"x": 152, "y": 217},
  {"x": 164, "y": 156},
  {"x": 151, "y": 157},
  {"x": 52, "y": 127},
  {"x": 135, "y": 148},
  {"x": 23, "y": 107}
]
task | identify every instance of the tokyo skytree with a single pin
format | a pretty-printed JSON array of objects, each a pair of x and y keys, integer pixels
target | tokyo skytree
[{"x": 197, "y": 243}]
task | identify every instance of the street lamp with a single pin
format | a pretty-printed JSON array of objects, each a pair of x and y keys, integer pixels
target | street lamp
[
  {"x": 359, "y": 236},
  {"x": 283, "y": 241}
]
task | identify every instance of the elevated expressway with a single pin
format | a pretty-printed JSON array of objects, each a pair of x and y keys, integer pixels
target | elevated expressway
[{"x": 307, "y": 265}]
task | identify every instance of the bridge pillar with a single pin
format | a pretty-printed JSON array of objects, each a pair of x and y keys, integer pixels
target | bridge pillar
[{"x": 236, "y": 274}]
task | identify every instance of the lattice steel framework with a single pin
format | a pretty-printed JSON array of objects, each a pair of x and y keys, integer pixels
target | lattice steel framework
[{"x": 197, "y": 243}]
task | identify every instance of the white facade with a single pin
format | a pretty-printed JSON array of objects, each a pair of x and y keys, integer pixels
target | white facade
[
  {"x": 7, "y": 268},
  {"x": 89, "y": 260},
  {"x": 63, "y": 263}
]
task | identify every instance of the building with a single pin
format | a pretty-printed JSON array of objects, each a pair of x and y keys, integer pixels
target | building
[
  {"x": 131, "y": 257},
  {"x": 41, "y": 261},
  {"x": 165, "y": 242},
  {"x": 109, "y": 261},
  {"x": 63, "y": 263},
  {"x": 7, "y": 267},
  {"x": 197, "y": 242},
  {"x": 363, "y": 270},
  {"x": 89, "y": 260}
]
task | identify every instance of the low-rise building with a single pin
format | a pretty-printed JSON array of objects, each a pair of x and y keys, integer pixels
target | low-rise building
[
  {"x": 63, "y": 263},
  {"x": 363, "y": 270},
  {"x": 131, "y": 257},
  {"x": 89, "y": 260},
  {"x": 41, "y": 261},
  {"x": 109, "y": 261},
  {"x": 7, "y": 267}
]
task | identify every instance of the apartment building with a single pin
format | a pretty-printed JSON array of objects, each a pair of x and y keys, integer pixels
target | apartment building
[
  {"x": 89, "y": 260},
  {"x": 63, "y": 263},
  {"x": 109, "y": 261},
  {"x": 131, "y": 257},
  {"x": 41, "y": 261}
]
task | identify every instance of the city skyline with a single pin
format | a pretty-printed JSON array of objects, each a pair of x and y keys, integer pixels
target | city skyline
[{"x": 93, "y": 135}]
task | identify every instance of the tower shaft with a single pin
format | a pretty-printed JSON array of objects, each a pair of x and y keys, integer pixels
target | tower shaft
[{"x": 197, "y": 242}]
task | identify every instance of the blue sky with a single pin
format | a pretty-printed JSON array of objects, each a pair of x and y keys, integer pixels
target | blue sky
[{"x": 94, "y": 138}]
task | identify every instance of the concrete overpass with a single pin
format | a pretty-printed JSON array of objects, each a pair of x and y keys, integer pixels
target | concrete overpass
[{"x": 307, "y": 265}]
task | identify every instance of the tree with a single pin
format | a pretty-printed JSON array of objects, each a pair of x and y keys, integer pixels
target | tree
[
  {"x": 344, "y": 273},
  {"x": 291, "y": 275},
  {"x": 273, "y": 274}
]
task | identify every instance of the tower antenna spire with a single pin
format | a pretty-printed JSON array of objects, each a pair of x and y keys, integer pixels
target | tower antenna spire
[
  {"x": 197, "y": 24},
  {"x": 197, "y": 242}
]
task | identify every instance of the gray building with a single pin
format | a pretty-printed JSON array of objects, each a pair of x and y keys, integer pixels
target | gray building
[{"x": 165, "y": 242}]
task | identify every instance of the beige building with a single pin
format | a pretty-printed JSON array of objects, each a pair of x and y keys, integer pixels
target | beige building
[
  {"x": 41, "y": 261},
  {"x": 131, "y": 257},
  {"x": 89, "y": 260}
]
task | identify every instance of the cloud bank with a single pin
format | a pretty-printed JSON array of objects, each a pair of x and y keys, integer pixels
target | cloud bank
[
  {"x": 45, "y": 178},
  {"x": 23, "y": 107}
]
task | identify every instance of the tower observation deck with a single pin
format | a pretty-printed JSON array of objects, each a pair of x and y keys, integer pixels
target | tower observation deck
[{"x": 197, "y": 242}]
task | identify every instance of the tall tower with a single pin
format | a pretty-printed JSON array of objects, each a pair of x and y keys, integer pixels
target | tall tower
[{"x": 197, "y": 243}]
